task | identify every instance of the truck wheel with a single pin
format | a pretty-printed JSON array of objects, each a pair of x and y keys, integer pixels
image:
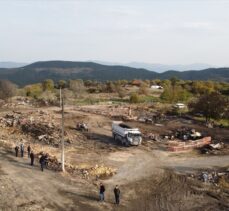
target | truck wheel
[
  {"x": 122, "y": 141},
  {"x": 126, "y": 144},
  {"x": 115, "y": 137}
]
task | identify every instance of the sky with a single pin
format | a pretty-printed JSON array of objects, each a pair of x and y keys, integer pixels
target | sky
[{"x": 152, "y": 31}]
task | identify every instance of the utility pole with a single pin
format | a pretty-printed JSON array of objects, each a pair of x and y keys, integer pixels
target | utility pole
[
  {"x": 62, "y": 134},
  {"x": 60, "y": 96}
]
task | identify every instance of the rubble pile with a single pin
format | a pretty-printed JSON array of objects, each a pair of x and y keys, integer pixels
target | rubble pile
[
  {"x": 115, "y": 112},
  {"x": 213, "y": 149},
  {"x": 38, "y": 125},
  {"x": 184, "y": 134},
  {"x": 98, "y": 171},
  {"x": 220, "y": 177},
  {"x": 42, "y": 132},
  {"x": 184, "y": 139},
  {"x": 10, "y": 120},
  {"x": 151, "y": 118},
  {"x": 177, "y": 145},
  {"x": 101, "y": 171},
  {"x": 152, "y": 136}
]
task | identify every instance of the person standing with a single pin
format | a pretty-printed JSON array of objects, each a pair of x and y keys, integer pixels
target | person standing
[
  {"x": 16, "y": 150},
  {"x": 42, "y": 162},
  {"x": 101, "y": 192},
  {"x": 117, "y": 194},
  {"x": 29, "y": 150},
  {"x": 46, "y": 158},
  {"x": 22, "y": 149},
  {"x": 32, "y": 158}
]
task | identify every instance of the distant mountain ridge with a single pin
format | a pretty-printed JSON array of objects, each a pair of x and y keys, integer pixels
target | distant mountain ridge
[
  {"x": 12, "y": 64},
  {"x": 159, "y": 68},
  {"x": 58, "y": 70}
]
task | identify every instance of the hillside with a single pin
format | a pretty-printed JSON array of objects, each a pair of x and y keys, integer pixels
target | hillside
[{"x": 65, "y": 70}]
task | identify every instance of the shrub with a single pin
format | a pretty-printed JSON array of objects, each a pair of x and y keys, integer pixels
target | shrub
[{"x": 134, "y": 98}]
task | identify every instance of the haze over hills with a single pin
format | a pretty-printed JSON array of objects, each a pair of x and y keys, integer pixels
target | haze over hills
[
  {"x": 12, "y": 64},
  {"x": 156, "y": 67},
  {"x": 57, "y": 70}
]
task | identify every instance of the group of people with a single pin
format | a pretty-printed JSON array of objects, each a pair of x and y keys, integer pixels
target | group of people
[
  {"x": 43, "y": 159},
  {"x": 44, "y": 162},
  {"x": 117, "y": 193},
  {"x": 30, "y": 152}
]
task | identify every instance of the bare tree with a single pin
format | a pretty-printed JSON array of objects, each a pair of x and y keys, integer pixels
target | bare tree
[{"x": 77, "y": 86}]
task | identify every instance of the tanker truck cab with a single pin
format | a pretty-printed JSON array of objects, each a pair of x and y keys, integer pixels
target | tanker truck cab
[{"x": 135, "y": 138}]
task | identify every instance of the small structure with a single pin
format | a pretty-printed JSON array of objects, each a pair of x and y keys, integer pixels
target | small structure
[
  {"x": 136, "y": 83},
  {"x": 156, "y": 87},
  {"x": 179, "y": 105}
]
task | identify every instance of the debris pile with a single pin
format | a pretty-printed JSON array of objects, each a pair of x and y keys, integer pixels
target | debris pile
[
  {"x": 220, "y": 177},
  {"x": 184, "y": 134},
  {"x": 184, "y": 139},
  {"x": 152, "y": 118},
  {"x": 44, "y": 133},
  {"x": 38, "y": 125},
  {"x": 176, "y": 146},
  {"x": 101, "y": 171},
  {"x": 116, "y": 112},
  {"x": 98, "y": 171},
  {"x": 81, "y": 126},
  {"x": 152, "y": 136},
  {"x": 10, "y": 120},
  {"x": 213, "y": 149}
]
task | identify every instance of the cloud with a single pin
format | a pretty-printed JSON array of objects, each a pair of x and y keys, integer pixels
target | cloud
[{"x": 198, "y": 25}]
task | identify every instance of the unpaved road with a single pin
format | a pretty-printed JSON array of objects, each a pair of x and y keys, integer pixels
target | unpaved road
[{"x": 27, "y": 188}]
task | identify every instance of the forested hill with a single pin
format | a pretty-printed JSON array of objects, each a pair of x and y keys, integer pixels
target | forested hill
[{"x": 65, "y": 70}]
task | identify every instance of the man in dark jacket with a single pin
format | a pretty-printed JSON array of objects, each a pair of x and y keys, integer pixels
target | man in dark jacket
[
  {"x": 42, "y": 162},
  {"x": 29, "y": 150},
  {"x": 46, "y": 158},
  {"x": 16, "y": 150},
  {"x": 32, "y": 158},
  {"x": 117, "y": 194},
  {"x": 101, "y": 192},
  {"x": 22, "y": 149}
]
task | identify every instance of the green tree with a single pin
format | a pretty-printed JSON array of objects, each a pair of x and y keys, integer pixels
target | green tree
[
  {"x": 175, "y": 94},
  {"x": 61, "y": 84},
  {"x": 211, "y": 105},
  {"x": 34, "y": 90},
  {"x": 48, "y": 85}
]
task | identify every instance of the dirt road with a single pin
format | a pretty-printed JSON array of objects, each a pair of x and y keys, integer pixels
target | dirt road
[
  {"x": 31, "y": 189},
  {"x": 27, "y": 188}
]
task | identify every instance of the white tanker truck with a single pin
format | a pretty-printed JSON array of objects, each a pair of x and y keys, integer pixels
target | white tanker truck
[{"x": 125, "y": 134}]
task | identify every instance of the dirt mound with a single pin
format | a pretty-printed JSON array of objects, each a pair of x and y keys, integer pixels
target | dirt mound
[{"x": 177, "y": 192}]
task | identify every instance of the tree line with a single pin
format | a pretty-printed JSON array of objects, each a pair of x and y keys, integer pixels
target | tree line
[{"x": 209, "y": 98}]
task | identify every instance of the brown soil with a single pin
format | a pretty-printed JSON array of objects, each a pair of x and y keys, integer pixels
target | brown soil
[{"x": 149, "y": 177}]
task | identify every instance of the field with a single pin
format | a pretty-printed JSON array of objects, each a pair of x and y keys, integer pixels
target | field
[{"x": 150, "y": 177}]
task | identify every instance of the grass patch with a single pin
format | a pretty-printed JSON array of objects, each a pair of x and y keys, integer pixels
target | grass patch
[{"x": 223, "y": 122}]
